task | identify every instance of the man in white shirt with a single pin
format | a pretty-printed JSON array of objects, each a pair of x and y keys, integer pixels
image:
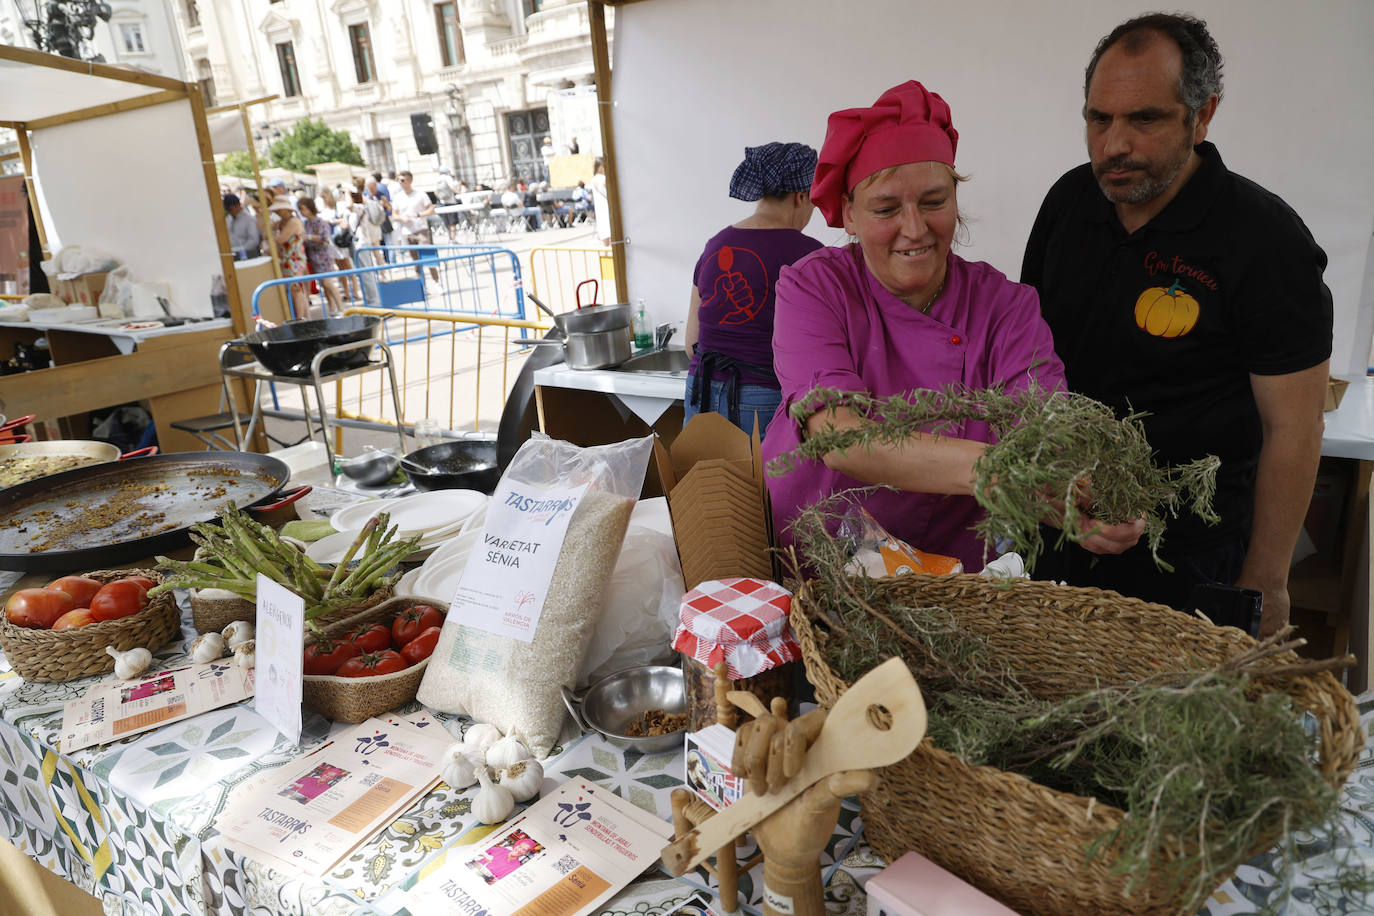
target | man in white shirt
[{"x": 412, "y": 209}]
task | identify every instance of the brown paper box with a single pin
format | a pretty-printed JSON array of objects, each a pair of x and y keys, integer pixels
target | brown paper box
[
  {"x": 1335, "y": 390},
  {"x": 713, "y": 476}
]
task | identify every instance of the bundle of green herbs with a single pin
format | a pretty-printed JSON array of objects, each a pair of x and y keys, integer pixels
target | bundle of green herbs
[
  {"x": 232, "y": 553},
  {"x": 1206, "y": 765},
  {"x": 1048, "y": 446}
]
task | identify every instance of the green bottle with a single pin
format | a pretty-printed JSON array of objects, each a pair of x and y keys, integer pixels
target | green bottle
[{"x": 642, "y": 329}]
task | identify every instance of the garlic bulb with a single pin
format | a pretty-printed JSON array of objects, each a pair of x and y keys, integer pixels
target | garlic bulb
[
  {"x": 509, "y": 751},
  {"x": 482, "y": 736},
  {"x": 245, "y": 653},
  {"x": 206, "y": 648},
  {"x": 493, "y": 803},
  {"x": 460, "y": 768},
  {"x": 237, "y": 632},
  {"x": 522, "y": 778},
  {"x": 130, "y": 664}
]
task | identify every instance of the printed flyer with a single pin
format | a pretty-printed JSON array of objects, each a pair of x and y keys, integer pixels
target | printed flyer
[
  {"x": 110, "y": 711},
  {"x": 307, "y": 816},
  {"x": 566, "y": 855}
]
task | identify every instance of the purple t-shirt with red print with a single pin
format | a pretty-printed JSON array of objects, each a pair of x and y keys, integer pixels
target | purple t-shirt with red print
[{"x": 736, "y": 277}]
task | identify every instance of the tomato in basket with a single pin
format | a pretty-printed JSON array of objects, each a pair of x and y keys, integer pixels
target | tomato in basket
[
  {"x": 411, "y": 622},
  {"x": 421, "y": 647},
  {"x": 374, "y": 637},
  {"x": 77, "y": 618},
  {"x": 117, "y": 599},
  {"x": 37, "y": 608},
  {"x": 370, "y": 663},
  {"x": 81, "y": 588},
  {"x": 143, "y": 581},
  {"x": 325, "y": 656}
]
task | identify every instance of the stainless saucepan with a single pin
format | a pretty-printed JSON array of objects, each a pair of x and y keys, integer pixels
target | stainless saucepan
[{"x": 597, "y": 350}]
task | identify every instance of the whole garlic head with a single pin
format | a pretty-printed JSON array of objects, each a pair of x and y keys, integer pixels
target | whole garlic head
[
  {"x": 523, "y": 779},
  {"x": 459, "y": 767},
  {"x": 506, "y": 752},
  {"x": 207, "y": 647},
  {"x": 482, "y": 736},
  {"x": 130, "y": 664},
  {"x": 245, "y": 653},
  {"x": 493, "y": 803},
  {"x": 237, "y": 632}
]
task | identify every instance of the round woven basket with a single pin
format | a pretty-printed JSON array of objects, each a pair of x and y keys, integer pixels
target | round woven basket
[
  {"x": 51, "y": 656},
  {"x": 211, "y": 615},
  {"x": 353, "y": 699},
  {"x": 1015, "y": 839}
]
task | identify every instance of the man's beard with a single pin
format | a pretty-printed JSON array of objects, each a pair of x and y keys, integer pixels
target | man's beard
[{"x": 1154, "y": 181}]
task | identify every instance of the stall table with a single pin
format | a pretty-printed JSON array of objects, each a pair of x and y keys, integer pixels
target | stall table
[
  {"x": 133, "y": 822},
  {"x": 98, "y": 364}
]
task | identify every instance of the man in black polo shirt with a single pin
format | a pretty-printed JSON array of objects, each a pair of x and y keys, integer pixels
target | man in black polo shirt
[{"x": 1176, "y": 287}]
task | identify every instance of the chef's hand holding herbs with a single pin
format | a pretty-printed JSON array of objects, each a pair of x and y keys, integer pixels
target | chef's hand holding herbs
[{"x": 897, "y": 312}]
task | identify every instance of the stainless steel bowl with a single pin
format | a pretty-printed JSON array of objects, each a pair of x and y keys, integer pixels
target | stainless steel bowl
[
  {"x": 372, "y": 468},
  {"x": 613, "y": 702}
]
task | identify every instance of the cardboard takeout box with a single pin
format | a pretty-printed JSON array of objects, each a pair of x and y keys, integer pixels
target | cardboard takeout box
[{"x": 713, "y": 477}]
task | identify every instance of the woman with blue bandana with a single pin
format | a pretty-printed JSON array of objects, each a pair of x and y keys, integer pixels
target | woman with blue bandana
[{"x": 730, "y": 320}]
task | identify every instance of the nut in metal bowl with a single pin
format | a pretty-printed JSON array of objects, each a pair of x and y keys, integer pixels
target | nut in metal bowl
[{"x": 615, "y": 701}]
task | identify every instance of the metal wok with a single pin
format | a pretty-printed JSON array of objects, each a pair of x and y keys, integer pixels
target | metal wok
[
  {"x": 289, "y": 348},
  {"x": 459, "y": 464},
  {"x": 103, "y": 515}
]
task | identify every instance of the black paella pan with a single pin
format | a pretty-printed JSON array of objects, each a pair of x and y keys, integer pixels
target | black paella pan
[{"x": 102, "y": 515}]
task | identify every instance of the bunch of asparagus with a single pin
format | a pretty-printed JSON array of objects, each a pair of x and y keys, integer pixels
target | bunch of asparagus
[{"x": 232, "y": 553}]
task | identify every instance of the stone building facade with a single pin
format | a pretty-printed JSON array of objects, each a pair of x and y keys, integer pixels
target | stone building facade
[{"x": 483, "y": 81}]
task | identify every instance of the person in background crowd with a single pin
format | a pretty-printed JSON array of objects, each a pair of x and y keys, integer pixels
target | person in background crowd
[
  {"x": 1179, "y": 289},
  {"x": 601, "y": 207},
  {"x": 446, "y": 191},
  {"x": 245, "y": 237},
  {"x": 581, "y": 202},
  {"x": 547, "y": 151},
  {"x": 276, "y": 188},
  {"x": 339, "y": 215},
  {"x": 413, "y": 208},
  {"x": 895, "y": 312},
  {"x": 730, "y": 316},
  {"x": 318, "y": 236},
  {"x": 572, "y": 146},
  {"x": 375, "y": 191},
  {"x": 290, "y": 238}
]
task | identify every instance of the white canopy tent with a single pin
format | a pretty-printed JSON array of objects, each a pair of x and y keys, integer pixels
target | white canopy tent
[{"x": 120, "y": 161}]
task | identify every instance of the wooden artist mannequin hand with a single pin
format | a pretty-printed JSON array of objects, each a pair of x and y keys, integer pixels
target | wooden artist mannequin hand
[{"x": 769, "y": 751}]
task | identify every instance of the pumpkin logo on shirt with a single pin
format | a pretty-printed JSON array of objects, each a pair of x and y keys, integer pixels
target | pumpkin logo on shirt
[
  {"x": 1166, "y": 313},
  {"x": 732, "y": 289}
]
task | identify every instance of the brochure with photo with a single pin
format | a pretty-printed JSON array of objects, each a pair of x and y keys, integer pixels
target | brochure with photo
[
  {"x": 566, "y": 855},
  {"x": 308, "y": 816},
  {"x": 113, "y": 710}
]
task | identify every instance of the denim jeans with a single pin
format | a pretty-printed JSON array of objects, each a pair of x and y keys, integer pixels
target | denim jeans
[{"x": 754, "y": 400}]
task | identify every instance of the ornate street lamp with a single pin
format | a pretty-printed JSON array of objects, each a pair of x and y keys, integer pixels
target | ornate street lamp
[{"x": 66, "y": 27}]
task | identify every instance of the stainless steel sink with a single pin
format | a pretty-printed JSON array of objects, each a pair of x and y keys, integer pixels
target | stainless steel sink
[{"x": 658, "y": 362}]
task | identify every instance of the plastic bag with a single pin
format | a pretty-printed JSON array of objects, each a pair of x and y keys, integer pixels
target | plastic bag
[
  {"x": 116, "y": 299},
  {"x": 517, "y": 632},
  {"x": 81, "y": 259},
  {"x": 642, "y": 604},
  {"x": 877, "y": 553}
]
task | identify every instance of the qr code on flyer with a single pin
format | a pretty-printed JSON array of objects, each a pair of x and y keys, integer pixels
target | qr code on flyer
[{"x": 565, "y": 865}]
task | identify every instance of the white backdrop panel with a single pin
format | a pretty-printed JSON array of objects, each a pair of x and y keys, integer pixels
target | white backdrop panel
[
  {"x": 132, "y": 185},
  {"x": 698, "y": 80}
]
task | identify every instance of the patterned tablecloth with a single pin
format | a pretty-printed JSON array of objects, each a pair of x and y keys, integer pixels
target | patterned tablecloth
[{"x": 132, "y": 822}]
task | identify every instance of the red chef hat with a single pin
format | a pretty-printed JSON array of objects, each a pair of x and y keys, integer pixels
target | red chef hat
[{"x": 908, "y": 123}]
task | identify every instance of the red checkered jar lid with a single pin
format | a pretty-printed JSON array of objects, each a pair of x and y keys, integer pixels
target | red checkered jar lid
[{"x": 741, "y": 621}]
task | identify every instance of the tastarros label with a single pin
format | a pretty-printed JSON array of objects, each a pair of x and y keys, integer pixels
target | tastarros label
[{"x": 507, "y": 578}]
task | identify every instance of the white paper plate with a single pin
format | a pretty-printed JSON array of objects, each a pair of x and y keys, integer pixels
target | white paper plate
[
  {"x": 330, "y": 549},
  {"x": 439, "y": 575},
  {"x": 437, "y": 510}
]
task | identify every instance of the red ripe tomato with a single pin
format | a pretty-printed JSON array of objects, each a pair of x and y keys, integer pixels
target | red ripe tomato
[
  {"x": 411, "y": 622},
  {"x": 118, "y": 599},
  {"x": 141, "y": 580},
  {"x": 77, "y": 618},
  {"x": 374, "y": 637},
  {"x": 37, "y": 608},
  {"x": 80, "y": 588},
  {"x": 325, "y": 656},
  {"x": 420, "y": 648},
  {"x": 370, "y": 663}
]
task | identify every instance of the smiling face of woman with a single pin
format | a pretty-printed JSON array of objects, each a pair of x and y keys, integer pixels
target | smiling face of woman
[{"x": 905, "y": 219}]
